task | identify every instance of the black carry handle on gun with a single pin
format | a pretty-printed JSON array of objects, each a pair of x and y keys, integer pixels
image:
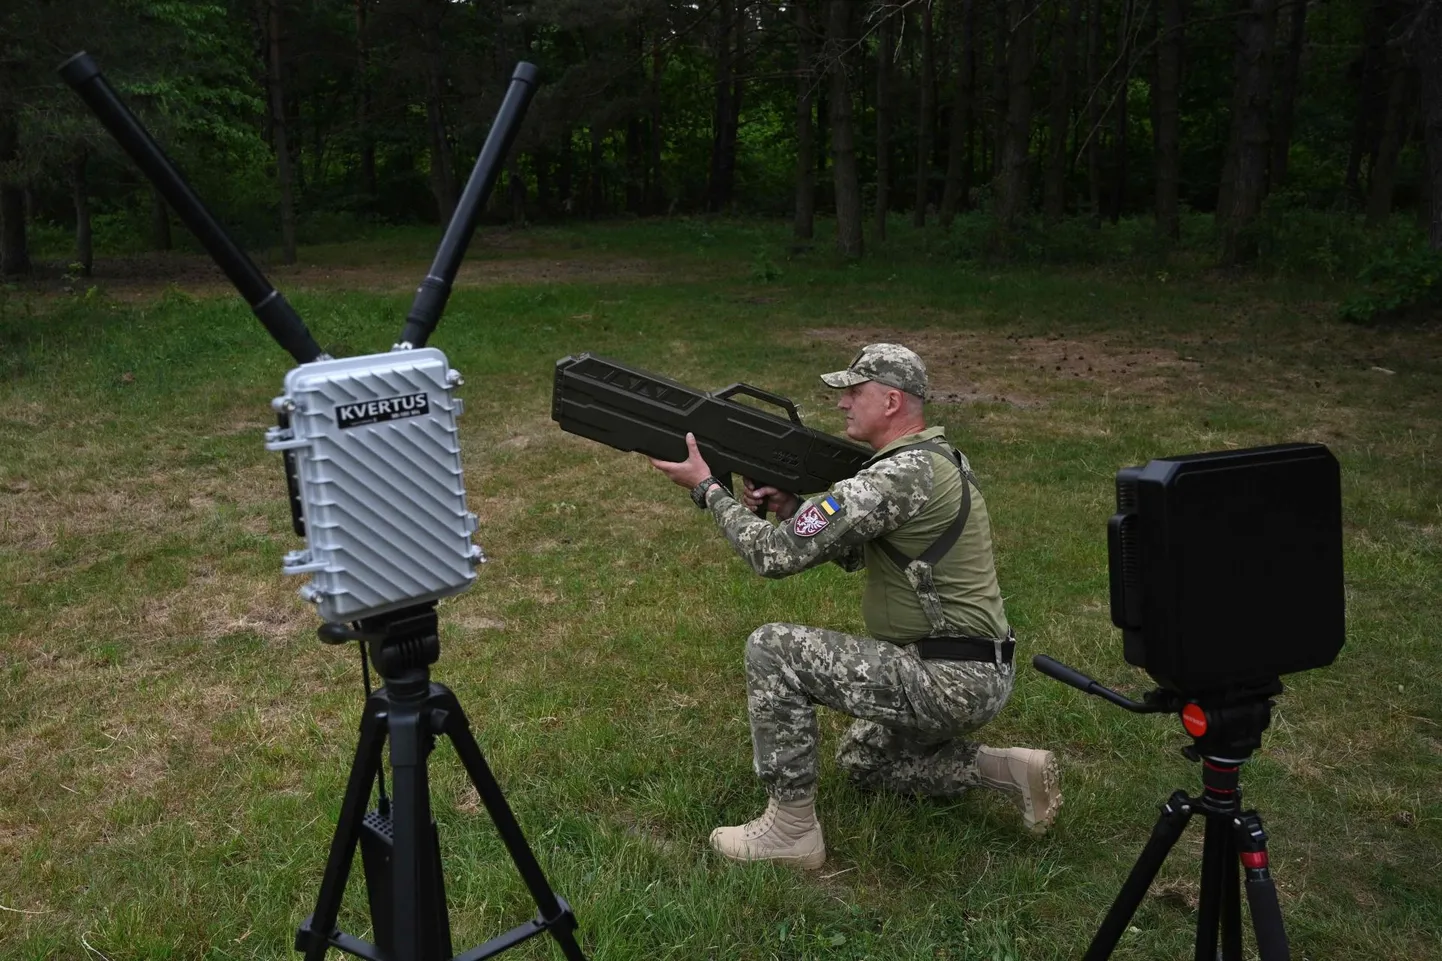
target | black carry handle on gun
[
  {"x": 726, "y": 393},
  {"x": 634, "y": 410},
  {"x": 435, "y": 290},
  {"x": 272, "y": 309}
]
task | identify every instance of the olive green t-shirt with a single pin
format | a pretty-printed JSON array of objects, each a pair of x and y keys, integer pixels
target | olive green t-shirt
[
  {"x": 965, "y": 577},
  {"x": 909, "y": 498}
]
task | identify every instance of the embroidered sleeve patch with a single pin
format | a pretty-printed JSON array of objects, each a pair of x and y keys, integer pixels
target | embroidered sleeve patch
[
  {"x": 829, "y": 505},
  {"x": 810, "y": 521}
]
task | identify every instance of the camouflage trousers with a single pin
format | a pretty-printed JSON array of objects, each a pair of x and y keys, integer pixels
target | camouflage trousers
[{"x": 910, "y": 712}]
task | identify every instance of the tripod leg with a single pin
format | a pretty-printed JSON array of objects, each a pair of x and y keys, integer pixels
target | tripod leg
[
  {"x": 418, "y": 892},
  {"x": 1251, "y": 842},
  {"x": 1215, "y": 863},
  {"x": 314, "y": 935},
  {"x": 1231, "y": 898},
  {"x": 1170, "y": 824},
  {"x": 554, "y": 912}
]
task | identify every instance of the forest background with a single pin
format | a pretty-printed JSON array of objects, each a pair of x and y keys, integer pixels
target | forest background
[{"x": 1303, "y": 136}]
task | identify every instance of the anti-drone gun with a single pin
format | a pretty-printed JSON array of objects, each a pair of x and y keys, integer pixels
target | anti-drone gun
[
  {"x": 373, "y": 468},
  {"x": 634, "y": 410}
]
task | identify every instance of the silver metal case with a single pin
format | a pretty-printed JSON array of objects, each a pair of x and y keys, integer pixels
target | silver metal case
[{"x": 378, "y": 465}]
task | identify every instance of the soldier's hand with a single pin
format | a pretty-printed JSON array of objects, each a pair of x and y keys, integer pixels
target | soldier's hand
[
  {"x": 686, "y": 473},
  {"x": 779, "y": 502}
]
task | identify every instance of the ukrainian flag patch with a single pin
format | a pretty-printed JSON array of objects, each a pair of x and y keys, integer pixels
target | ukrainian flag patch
[{"x": 813, "y": 519}]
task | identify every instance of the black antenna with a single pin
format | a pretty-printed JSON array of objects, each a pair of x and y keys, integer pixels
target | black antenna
[
  {"x": 435, "y": 290},
  {"x": 273, "y": 310}
]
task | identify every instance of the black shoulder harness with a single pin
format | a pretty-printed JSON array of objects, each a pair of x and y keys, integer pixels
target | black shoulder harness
[{"x": 948, "y": 537}]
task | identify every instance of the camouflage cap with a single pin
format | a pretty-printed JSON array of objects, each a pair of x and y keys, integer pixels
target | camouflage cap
[{"x": 889, "y": 364}]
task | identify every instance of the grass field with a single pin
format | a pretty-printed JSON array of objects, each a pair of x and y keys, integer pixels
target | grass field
[{"x": 174, "y": 740}]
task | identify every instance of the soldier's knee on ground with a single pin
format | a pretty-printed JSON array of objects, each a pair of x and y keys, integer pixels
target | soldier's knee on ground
[{"x": 761, "y": 648}]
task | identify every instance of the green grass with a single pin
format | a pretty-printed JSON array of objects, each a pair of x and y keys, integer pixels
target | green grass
[{"x": 176, "y": 740}]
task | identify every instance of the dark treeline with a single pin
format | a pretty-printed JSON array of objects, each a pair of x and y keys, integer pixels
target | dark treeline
[{"x": 292, "y": 114}]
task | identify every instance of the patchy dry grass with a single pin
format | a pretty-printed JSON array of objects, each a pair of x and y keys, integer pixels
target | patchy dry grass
[{"x": 175, "y": 739}]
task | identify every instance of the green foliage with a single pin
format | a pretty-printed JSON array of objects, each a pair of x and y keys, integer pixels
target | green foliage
[
  {"x": 1398, "y": 284},
  {"x": 1293, "y": 237}
]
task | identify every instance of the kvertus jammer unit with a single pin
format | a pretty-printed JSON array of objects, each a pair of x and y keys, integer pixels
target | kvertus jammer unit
[{"x": 374, "y": 472}]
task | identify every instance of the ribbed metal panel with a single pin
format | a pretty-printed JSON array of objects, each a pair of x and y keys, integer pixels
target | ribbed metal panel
[{"x": 379, "y": 466}]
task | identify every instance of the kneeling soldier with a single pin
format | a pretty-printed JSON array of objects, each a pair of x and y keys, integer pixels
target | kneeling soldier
[{"x": 938, "y": 661}]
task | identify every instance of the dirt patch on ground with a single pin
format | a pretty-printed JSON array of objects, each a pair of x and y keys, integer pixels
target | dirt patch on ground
[
  {"x": 967, "y": 366},
  {"x": 530, "y": 271},
  {"x": 144, "y": 506},
  {"x": 144, "y": 276}
]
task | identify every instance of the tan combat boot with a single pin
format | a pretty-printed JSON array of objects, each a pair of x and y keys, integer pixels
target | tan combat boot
[
  {"x": 788, "y": 832},
  {"x": 1029, "y": 776}
]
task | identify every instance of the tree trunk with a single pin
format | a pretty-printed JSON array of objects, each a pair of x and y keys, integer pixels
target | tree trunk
[
  {"x": 597, "y": 196},
  {"x": 284, "y": 176},
  {"x": 363, "y": 104},
  {"x": 823, "y": 121},
  {"x": 997, "y": 127},
  {"x": 1054, "y": 183},
  {"x": 1256, "y": 34},
  {"x": 1094, "y": 111},
  {"x": 1121, "y": 115},
  {"x": 925, "y": 109},
  {"x": 443, "y": 176},
  {"x": 958, "y": 153},
  {"x": 84, "y": 248},
  {"x": 804, "y": 224},
  {"x": 1229, "y": 161},
  {"x": 1424, "y": 193},
  {"x": 1288, "y": 79},
  {"x": 1015, "y": 148},
  {"x": 656, "y": 199},
  {"x": 723, "y": 143},
  {"x": 14, "y": 250},
  {"x": 885, "y": 50},
  {"x": 738, "y": 89},
  {"x": 635, "y": 164},
  {"x": 295, "y": 137},
  {"x": 1168, "y": 120},
  {"x": 1365, "y": 128},
  {"x": 159, "y": 221},
  {"x": 318, "y": 138},
  {"x": 516, "y": 188},
  {"x": 1394, "y": 130},
  {"x": 541, "y": 160},
  {"x": 839, "y": 39},
  {"x": 1423, "y": 42},
  {"x": 565, "y": 175}
]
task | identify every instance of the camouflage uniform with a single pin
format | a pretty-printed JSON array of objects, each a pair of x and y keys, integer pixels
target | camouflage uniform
[{"x": 911, "y": 712}]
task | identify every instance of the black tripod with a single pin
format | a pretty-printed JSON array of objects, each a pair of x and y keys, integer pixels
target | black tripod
[
  {"x": 1225, "y": 731},
  {"x": 399, "y": 843}
]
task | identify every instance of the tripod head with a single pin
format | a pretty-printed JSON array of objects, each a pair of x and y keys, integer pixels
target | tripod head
[
  {"x": 402, "y": 644},
  {"x": 1224, "y": 725}
]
